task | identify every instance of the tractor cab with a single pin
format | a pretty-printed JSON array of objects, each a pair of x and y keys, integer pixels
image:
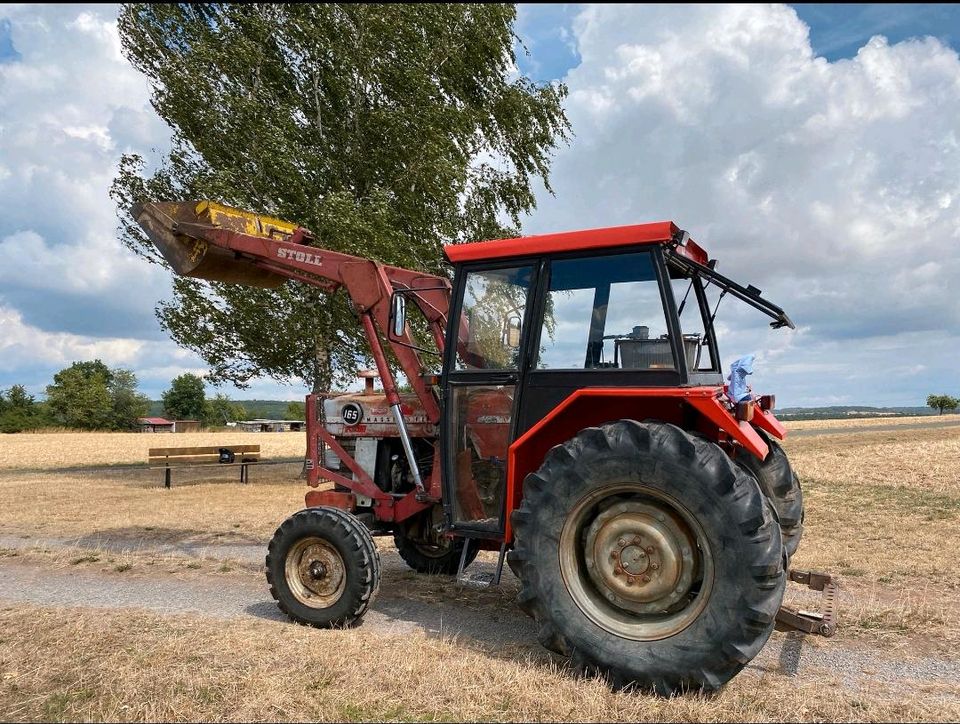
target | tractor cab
[{"x": 540, "y": 319}]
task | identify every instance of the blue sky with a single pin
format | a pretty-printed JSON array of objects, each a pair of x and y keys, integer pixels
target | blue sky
[
  {"x": 814, "y": 149},
  {"x": 837, "y": 30}
]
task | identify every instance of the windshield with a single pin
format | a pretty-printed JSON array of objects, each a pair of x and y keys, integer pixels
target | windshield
[{"x": 604, "y": 312}]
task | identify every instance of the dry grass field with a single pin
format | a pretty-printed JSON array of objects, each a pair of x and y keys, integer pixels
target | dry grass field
[
  {"x": 46, "y": 450},
  {"x": 865, "y": 422},
  {"x": 883, "y": 512}
]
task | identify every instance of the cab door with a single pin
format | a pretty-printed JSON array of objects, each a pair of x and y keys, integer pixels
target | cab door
[{"x": 483, "y": 368}]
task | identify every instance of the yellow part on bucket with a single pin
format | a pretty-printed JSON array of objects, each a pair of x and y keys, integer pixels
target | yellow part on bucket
[{"x": 227, "y": 217}]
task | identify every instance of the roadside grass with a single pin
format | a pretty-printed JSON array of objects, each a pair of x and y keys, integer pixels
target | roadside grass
[
  {"x": 106, "y": 560},
  {"x": 136, "y": 506},
  {"x": 74, "y": 664}
]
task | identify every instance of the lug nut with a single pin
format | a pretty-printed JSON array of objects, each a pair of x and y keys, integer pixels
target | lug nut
[
  {"x": 655, "y": 566},
  {"x": 646, "y": 579},
  {"x": 649, "y": 549},
  {"x": 622, "y": 542}
]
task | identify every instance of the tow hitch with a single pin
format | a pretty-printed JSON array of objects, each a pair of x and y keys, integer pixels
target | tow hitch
[{"x": 822, "y": 623}]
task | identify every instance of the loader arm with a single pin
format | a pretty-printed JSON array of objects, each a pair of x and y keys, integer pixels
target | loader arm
[{"x": 219, "y": 243}]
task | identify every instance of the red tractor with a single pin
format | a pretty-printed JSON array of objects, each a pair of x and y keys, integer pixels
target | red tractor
[{"x": 579, "y": 425}]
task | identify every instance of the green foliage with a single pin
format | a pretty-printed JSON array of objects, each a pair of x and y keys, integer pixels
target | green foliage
[
  {"x": 186, "y": 398},
  {"x": 91, "y": 396},
  {"x": 387, "y": 129},
  {"x": 80, "y": 397},
  {"x": 943, "y": 402},
  {"x": 221, "y": 410},
  {"x": 295, "y": 411},
  {"x": 20, "y": 411},
  {"x": 127, "y": 405}
]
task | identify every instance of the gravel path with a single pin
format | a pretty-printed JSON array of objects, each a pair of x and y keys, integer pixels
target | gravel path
[
  {"x": 230, "y": 597},
  {"x": 478, "y": 621}
]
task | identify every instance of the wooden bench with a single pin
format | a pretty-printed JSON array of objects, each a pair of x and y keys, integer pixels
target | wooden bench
[{"x": 167, "y": 458}]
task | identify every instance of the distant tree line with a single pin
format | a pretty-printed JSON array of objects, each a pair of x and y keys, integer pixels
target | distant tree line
[
  {"x": 83, "y": 396},
  {"x": 92, "y": 396}
]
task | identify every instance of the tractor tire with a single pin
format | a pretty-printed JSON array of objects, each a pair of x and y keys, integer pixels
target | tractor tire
[
  {"x": 424, "y": 557},
  {"x": 647, "y": 556},
  {"x": 323, "y": 568},
  {"x": 781, "y": 485}
]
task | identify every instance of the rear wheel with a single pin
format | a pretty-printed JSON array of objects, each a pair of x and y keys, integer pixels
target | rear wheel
[
  {"x": 323, "y": 567},
  {"x": 781, "y": 485},
  {"x": 645, "y": 554}
]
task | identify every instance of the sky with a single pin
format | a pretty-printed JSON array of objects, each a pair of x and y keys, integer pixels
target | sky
[{"x": 813, "y": 150}]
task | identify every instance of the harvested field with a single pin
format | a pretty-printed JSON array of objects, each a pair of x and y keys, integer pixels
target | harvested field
[
  {"x": 865, "y": 422},
  {"x": 106, "y": 580},
  {"x": 46, "y": 450}
]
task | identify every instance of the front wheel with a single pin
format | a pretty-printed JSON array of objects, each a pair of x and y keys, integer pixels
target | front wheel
[
  {"x": 645, "y": 554},
  {"x": 323, "y": 567}
]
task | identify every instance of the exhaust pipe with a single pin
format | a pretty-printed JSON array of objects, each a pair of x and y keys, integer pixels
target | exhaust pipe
[{"x": 182, "y": 233}]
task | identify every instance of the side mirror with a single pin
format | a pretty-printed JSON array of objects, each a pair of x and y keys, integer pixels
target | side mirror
[
  {"x": 398, "y": 314},
  {"x": 512, "y": 332}
]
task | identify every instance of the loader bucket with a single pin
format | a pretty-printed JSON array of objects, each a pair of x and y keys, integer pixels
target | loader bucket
[{"x": 182, "y": 231}]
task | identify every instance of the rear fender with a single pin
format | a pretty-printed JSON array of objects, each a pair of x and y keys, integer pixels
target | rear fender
[
  {"x": 766, "y": 421},
  {"x": 590, "y": 407}
]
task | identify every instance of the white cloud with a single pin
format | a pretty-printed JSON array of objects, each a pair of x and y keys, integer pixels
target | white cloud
[
  {"x": 831, "y": 186},
  {"x": 72, "y": 104},
  {"x": 20, "y": 341},
  {"x": 93, "y": 266}
]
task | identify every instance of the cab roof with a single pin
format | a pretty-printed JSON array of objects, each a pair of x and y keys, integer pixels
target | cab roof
[{"x": 660, "y": 232}]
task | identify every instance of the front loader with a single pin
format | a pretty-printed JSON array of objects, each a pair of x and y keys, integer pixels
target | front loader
[{"x": 579, "y": 425}]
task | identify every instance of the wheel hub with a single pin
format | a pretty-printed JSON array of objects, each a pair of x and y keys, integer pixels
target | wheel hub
[
  {"x": 315, "y": 572},
  {"x": 318, "y": 570},
  {"x": 640, "y": 557}
]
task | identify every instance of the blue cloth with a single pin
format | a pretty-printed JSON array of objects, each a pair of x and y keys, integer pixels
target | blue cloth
[{"x": 737, "y": 390}]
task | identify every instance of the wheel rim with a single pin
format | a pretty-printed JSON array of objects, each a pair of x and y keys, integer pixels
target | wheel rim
[
  {"x": 636, "y": 562},
  {"x": 315, "y": 572},
  {"x": 425, "y": 539}
]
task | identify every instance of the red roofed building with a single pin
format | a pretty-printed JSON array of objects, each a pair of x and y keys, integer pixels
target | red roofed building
[{"x": 155, "y": 424}]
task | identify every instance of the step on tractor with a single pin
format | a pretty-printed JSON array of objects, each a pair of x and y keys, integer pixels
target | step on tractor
[{"x": 566, "y": 409}]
